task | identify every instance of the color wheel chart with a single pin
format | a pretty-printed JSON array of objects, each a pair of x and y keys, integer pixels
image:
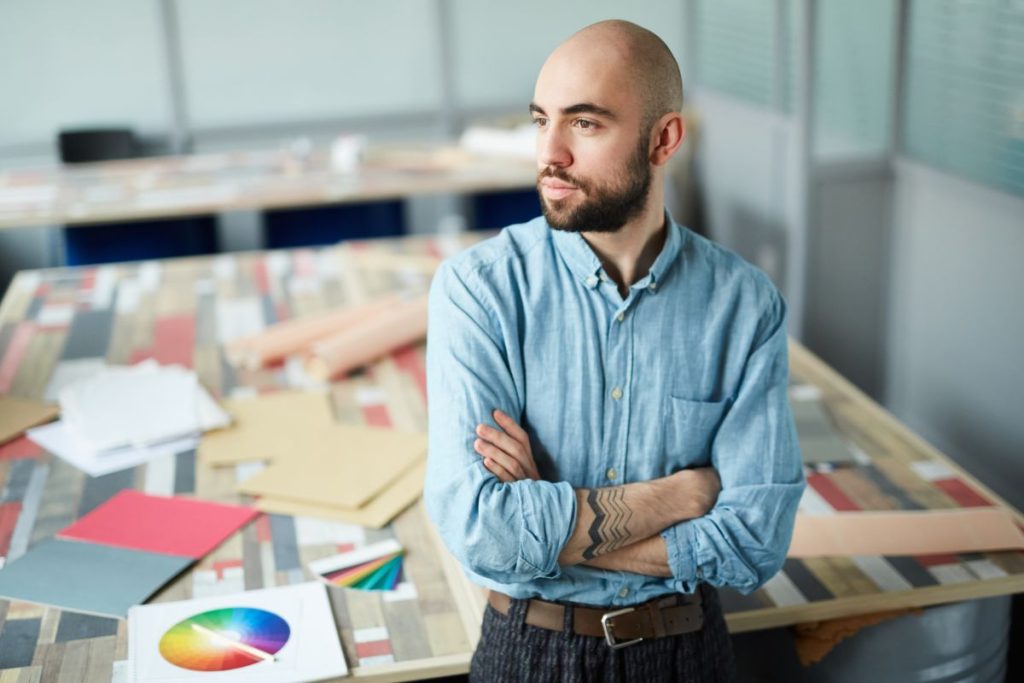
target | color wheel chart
[{"x": 225, "y": 639}]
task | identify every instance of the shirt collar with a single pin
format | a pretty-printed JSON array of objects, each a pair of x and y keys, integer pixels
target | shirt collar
[{"x": 585, "y": 265}]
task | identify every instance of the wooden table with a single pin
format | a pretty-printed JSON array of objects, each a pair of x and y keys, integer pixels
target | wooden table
[
  {"x": 164, "y": 187},
  {"x": 180, "y": 311}
]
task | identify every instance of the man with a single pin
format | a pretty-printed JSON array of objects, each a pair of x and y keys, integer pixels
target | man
[{"x": 610, "y": 435}]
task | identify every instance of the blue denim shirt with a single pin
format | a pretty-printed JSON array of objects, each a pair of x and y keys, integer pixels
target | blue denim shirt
[{"x": 690, "y": 369}]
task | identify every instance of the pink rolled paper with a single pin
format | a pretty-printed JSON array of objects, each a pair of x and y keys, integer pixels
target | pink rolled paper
[
  {"x": 901, "y": 532},
  {"x": 393, "y": 328},
  {"x": 293, "y": 336}
]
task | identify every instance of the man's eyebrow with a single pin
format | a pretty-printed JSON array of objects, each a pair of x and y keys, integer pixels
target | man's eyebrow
[
  {"x": 588, "y": 108},
  {"x": 581, "y": 108}
]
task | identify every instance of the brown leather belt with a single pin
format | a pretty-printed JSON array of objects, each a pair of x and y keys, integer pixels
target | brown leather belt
[{"x": 669, "y": 615}]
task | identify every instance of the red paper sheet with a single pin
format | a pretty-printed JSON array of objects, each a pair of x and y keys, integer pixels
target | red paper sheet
[{"x": 160, "y": 524}]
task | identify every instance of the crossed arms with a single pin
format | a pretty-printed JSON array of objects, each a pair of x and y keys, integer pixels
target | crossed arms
[
  {"x": 617, "y": 527},
  {"x": 508, "y": 527}
]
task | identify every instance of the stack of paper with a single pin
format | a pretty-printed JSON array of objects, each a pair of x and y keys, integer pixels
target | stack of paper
[
  {"x": 375, "y": 567},
  {"x": 278, "y": 634},
  {"x": 123, "y": 416},
  {"x": 138, "y": 406},
  {"x": 120, "y": 553},
  {"x": 319, "y": 468}
]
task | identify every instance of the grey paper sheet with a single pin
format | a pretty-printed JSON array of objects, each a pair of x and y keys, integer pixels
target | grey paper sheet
[{"x": 87, "y": 577}]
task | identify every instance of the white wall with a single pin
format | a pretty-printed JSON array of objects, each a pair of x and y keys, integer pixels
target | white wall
[
  {"x": 251, "y": 62},
  {"x": 66, "y": 63},
  {"x": 848, "y": 269},
  {"x": 748, "y": 171},
  {"x": 956, "y": 330},
  {"x": 499, "y": 46}
]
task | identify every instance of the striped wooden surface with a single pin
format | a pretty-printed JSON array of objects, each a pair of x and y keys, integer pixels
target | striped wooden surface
[
  {"x": 58, "y": 322},
  {"x": 55, "y": 322}
]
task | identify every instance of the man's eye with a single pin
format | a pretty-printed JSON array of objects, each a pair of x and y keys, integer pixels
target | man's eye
[
  {"x": 585, "y": 124},
  {"x": 540, "y": 122}
]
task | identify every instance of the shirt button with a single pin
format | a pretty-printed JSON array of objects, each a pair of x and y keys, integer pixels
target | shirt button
[
  {"x": 653, "y": 286},
  {"x": 624, "y": 593},
  {"x": 616, "y": 393},
  {"x": 591, "y": 281},
  {"x": 604, "y": 278},
  {"x": 620, "y": 317},
  {"x": 611, "y": 474}
]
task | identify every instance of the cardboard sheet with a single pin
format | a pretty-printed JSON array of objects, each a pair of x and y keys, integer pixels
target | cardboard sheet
[
  {"x": 19, "y": 414},
  {"x": 350, "y": 467},
  {"x": 266, "y": 427},
  {"x": 376, "y": 514},
  {"x": 293, "y": 336},
  {"x": 87, "y": 577},
  {"x": 160, "y": 524},
  {"x": 399, "y": 326},
  {"x": 925, "y": 532}
]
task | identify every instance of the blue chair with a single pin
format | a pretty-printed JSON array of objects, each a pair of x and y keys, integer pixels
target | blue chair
[
  {"x": 315, "y": 226},
  {"x": 132, "y": 241}
]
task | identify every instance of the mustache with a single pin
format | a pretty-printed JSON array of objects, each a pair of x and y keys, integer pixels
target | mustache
[{"x": 559, "y": 174}]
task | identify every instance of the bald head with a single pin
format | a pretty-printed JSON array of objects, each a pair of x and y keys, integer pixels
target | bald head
[{"x": 646, "y": 59}]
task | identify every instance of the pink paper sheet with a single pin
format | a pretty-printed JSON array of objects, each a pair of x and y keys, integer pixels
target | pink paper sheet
[{"x": 159, "y": 524}]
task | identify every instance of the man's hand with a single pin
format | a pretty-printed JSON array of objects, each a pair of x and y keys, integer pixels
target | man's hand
[{"x": 506, "y": 451}]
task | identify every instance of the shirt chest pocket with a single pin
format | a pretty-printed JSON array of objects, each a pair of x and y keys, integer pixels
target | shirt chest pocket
[{"x": 692, "y": 429}]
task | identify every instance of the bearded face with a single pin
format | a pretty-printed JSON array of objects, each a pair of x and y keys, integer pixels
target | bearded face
[{"x": 599, "y": 204}]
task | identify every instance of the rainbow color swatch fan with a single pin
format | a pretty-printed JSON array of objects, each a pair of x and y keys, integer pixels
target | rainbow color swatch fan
[
  {"x": 278, "y": 635},
  {"x": 375, "y": 567}
]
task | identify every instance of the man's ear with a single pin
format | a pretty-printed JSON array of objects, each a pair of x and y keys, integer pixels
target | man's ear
[{"x": 668, "y": 134}]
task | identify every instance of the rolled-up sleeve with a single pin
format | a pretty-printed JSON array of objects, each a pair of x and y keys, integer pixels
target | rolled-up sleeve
[
  {"x": 742, "y": 541},
  {"x": 507, "y": 533}
]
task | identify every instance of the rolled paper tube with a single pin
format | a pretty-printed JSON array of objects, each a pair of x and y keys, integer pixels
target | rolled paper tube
[
  {"x": 293, "y": 336},
  {"x": 373, "y": 338},
  {"x": 906, "y": 532}
]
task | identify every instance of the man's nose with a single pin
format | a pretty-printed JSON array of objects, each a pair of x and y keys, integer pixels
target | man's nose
[{"x": 552, "y": 149}]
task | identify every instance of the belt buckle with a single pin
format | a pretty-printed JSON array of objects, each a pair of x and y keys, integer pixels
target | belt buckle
[{"x": 609, "y": 628}]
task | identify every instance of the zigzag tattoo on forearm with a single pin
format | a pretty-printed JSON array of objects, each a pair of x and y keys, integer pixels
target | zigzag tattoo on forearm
[{"x": 610, "y": 530}]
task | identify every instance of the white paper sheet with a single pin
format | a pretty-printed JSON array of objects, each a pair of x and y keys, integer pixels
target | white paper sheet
[
  {"x": 137, "y": 406},
  {"x": 62, "y": 442},
  {"x": 312, "y": 651}
]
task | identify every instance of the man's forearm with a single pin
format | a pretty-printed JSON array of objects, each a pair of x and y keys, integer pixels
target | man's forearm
[
  {"x": 613, "y": 518},
  {"x": 648, "y": 557}
]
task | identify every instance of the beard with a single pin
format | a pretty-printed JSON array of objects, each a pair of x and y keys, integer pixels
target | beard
[{"x": 604, "y": 208}]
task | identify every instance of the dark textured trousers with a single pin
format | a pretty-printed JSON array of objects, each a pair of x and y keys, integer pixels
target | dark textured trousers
[{"x": 512, "y": 650}]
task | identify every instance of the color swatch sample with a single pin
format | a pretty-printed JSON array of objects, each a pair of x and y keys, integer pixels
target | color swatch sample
[
  {"x": 375, "y": 567},
  {"x": 160, "y": 524},
  {"x": 224, "y": 639},
  {"x": 87, "y": 577}
]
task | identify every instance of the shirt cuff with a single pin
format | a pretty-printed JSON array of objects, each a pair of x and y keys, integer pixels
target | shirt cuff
[
  {"x": 681, "y": 542},
  {"x": 548, "y": 522}
]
